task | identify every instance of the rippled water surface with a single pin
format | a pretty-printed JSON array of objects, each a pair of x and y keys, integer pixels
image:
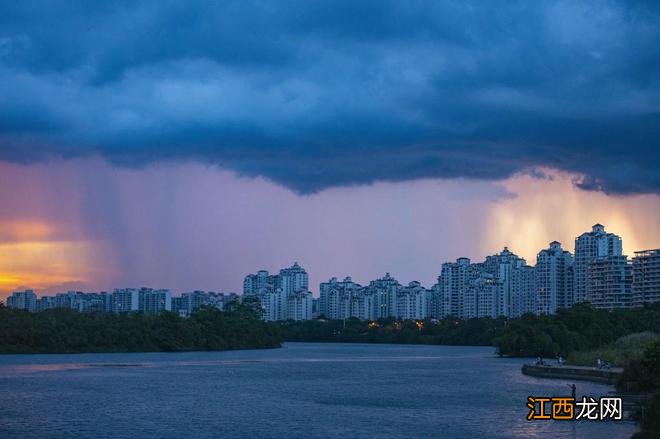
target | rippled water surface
[{"x": 301, "y": 390}]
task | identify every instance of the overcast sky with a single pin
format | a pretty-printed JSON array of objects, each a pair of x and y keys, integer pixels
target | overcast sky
[{"x": 184, "y": 145}]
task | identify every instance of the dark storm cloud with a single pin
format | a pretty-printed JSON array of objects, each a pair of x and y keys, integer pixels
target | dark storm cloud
[{"x": 319, "y": 94}]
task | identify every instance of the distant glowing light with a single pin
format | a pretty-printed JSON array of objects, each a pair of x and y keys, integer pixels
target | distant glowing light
[{"x": 32, "y": 255}]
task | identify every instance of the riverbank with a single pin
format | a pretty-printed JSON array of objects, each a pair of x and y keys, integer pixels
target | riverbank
[{"x": 583, "y": 373}]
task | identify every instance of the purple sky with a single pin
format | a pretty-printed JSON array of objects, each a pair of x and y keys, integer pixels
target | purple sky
[{"x": 189, "y": 226}]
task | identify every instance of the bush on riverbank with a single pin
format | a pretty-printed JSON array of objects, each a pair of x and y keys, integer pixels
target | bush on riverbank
[
  {"x": 67, "y": 331},
  {"x": 579, "y": 328},
  {"x": 624, "y": 350},
  {"x": 643, "y": 375}
]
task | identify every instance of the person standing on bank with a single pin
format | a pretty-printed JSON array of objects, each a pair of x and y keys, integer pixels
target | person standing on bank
[{"x": 572, "y": 386}]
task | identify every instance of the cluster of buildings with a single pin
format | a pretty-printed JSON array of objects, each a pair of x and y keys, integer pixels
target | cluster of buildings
[
  {"x": 283, "y": 296},
  {"x": 502, "y": 285},
  {"x": 146, "y": 300},
  {"x": 382, "y": 298}
]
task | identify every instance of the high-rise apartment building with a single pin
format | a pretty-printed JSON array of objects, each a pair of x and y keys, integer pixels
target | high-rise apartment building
[
  {"x": 337, "y": 298},
  {"x": 524, "y": 299},
  {"x": 276, "y": 293},
  {"x": 126, "y": 300},
  {"x": 383, "y": 293},
  {"x": 292, "y": 279},
  {"x": 554, "y": 279},
  {"x": 26, "y": 300},
  {"x": 299, "y": 305},
  {"x": 610, "y": 282},
  {"x": 254, "y": 283},
  {"x": 156, "y": 301},
  {"x": 502, "y": 285},
  {"x": 412, "y": 302},
  {"x": 504, "y": 266},
  {"x": 190, "y": 301},
  {"x": 646, "y": 277},
  {"x": 588, "y": 247},
  {"x": 453, "y": 282},
  {"x": 484, "y": 295}
]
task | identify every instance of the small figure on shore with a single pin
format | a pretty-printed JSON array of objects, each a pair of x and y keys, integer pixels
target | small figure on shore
[
  {"x": 572, "y": 386},
  {"x": 599, "y": 363},
  {"x": 560, "y": 360}
]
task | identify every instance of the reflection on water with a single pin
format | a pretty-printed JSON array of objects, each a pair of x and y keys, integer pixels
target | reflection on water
[
  {"x": 13, "y": 369},
  {"x": 54, "y": 367},
  {"x": 301, "y": 390}
]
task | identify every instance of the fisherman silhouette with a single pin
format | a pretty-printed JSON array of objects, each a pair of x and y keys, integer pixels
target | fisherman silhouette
[{"x": 572, "y": 386}]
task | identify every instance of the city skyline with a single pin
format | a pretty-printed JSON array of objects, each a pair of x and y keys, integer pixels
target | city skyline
[
  {"x": 231, "y": 280},
  {"x": 540, "y": 257},
  {"x": 503, "y": 285}
]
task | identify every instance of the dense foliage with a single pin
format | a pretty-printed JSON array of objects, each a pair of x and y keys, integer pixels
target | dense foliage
[
  {"x": 580, "y": 328},
  {"x": 475, "y": 332},
  {"x": 624, "y": 350},
  {"x": 577, "y": 328},
  {"x": 64, "y": 330}
]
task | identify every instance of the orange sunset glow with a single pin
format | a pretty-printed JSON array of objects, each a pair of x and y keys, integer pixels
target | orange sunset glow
[
  {"x": 32, "y": 254},
  {"x": 554, "y": 209}
]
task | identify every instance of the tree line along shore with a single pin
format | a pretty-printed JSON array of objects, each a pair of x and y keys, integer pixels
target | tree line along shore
[
  {"x": 580, "y": 333},
  {"x": 63, "y": 330}
]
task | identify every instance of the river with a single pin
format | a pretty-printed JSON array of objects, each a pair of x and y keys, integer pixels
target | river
[{"x": 301, "y": 390}]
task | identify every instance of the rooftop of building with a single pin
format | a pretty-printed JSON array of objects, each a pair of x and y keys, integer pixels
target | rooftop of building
[{"x": 650, "y": 252}]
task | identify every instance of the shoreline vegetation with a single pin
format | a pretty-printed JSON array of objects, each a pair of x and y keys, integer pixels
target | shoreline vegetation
[
  {"x": 642, "y": 376},
  {"x": 621, "y": 352},
  {"x": 580, "y": 334},
  {"x": 68, "y": 331}
]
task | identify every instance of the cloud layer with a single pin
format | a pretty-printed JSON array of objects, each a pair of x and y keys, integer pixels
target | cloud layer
[{"x": 339, "y": 93}]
